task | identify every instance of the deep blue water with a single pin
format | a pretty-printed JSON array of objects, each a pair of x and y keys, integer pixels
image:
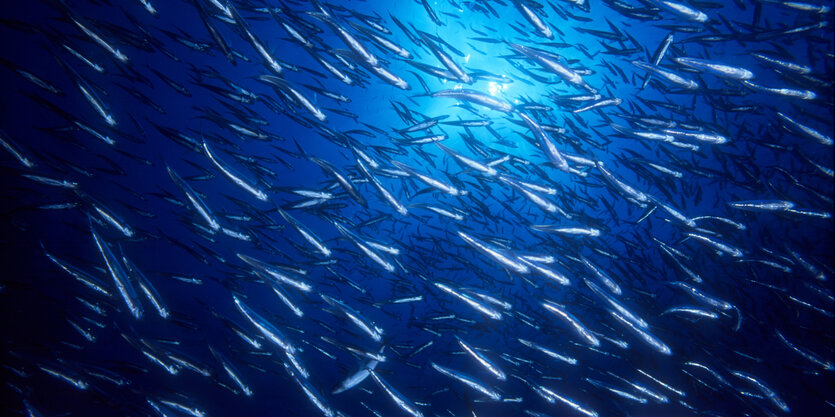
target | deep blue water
[{"x": 768, "y": 272}]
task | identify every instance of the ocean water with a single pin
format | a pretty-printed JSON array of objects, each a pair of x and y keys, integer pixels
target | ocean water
[{"x": 611, "y": 248}]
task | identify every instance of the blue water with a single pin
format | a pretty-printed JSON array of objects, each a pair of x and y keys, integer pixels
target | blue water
[{"x": 764, "y": 159}]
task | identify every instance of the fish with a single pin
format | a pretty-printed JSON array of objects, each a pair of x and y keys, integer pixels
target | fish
[
  {"x": 234, "y": 177},
  {"x": 267, "y": 329},
  {"x": 476, "y": 97},
  {"x": 231, "y": 371},
  {"x": 467, "y": 380},
  {"x": 308, "y": 234},
  {"x": 398, "y": 398},
  {"x": 716, "y": 68},
  {"x": 541, "y": 27},
  {"x": 357, "y": 377},
  {"x": 482, "y": 360},
  {"x": 120, "y": 278},
  {"x": 578, "y": 327},
  {"x": 195, "y": 200},
  {"x": 287, "y": 88},
  {"x": 119, "y": 55}
]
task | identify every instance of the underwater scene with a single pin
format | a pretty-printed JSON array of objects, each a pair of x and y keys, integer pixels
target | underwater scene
[{"x": 417, "y": 208}]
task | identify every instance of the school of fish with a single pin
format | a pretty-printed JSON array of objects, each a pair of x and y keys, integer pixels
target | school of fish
[{"x": 417, "y": 207}]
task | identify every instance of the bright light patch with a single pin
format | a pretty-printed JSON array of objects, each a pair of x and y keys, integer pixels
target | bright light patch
[
  {"x": 495, "y": 88},
  {"x": 467, "y": 59}
]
